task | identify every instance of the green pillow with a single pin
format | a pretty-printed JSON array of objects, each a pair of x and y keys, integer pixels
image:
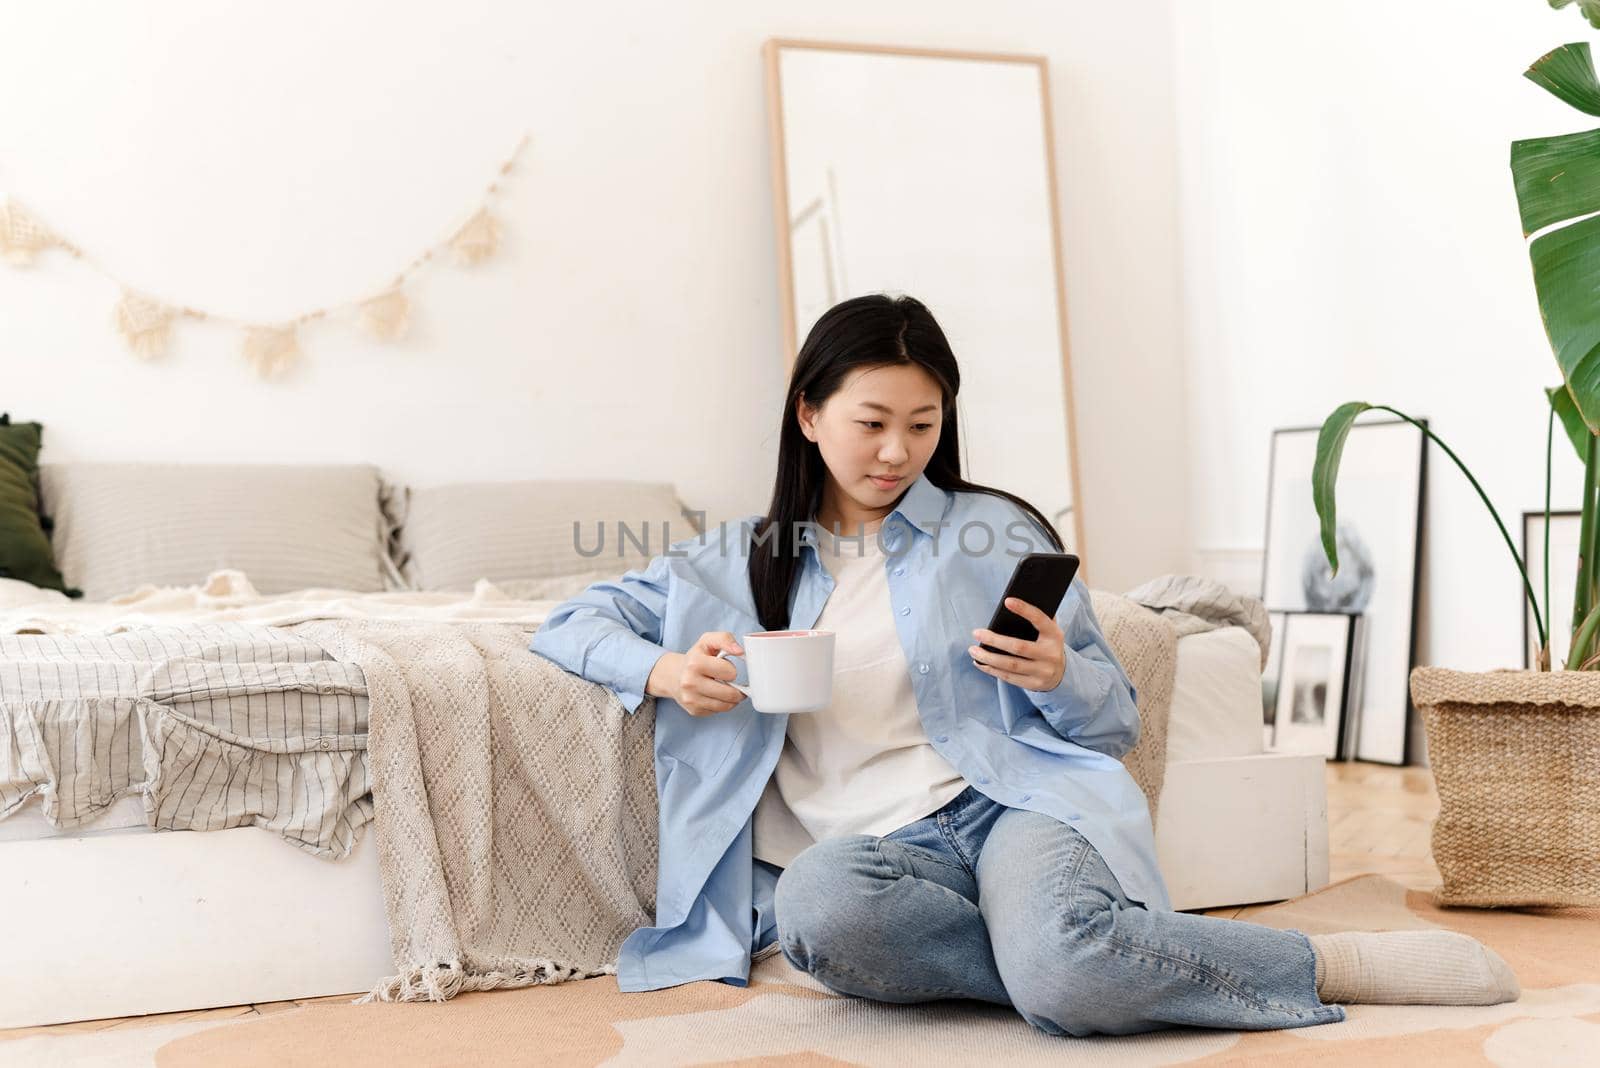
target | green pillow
[{"x": 24, "y": 545}]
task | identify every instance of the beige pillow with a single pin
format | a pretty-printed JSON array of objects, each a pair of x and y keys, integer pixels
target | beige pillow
[
  {"x": 288, "y": 527},
  {"x": 517, "y": 531}
]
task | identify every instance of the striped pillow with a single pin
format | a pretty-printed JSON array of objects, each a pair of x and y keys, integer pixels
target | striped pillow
[
  {"x": 518, "y": 531},
  {"x": 288, "y": 527}
]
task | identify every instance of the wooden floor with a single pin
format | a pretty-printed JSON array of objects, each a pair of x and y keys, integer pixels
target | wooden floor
[{"x": 1379, "y": 821}]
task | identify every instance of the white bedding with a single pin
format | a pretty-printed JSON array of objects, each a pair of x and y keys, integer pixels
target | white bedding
[
  {"x": 1216, "y": 697},
  {"x": 228, "y": 596},
  {"x": 1216, "y": 701}
]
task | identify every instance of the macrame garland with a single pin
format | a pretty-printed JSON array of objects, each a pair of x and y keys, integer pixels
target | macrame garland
[
  {"x": 21, "y": 235},
  {"x": 477, "y": 240},
  {"x": 272, "y": 350},
  {"x": 387, "y": 317},
  {"x": 145, "y": 323}
]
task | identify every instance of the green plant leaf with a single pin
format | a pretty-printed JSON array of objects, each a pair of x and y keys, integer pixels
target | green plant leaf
[
  {"x": 1590, "y": 9},
  {"x": 1566, "y": 275},
  {"x": 1571, "y": 421},
  {"x": 1556, "y": 178},
  {"x": 1325, "y": 472},
  {"x": 1568, "y": 72}
]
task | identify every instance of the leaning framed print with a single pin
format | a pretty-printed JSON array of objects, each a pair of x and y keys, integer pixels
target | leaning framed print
[
  {"x": 1563, "y": 558},
  {"x": 1351, "y": 728},
  {"x": 1382, "y": 482},
  {"x": 1270, "y": 675},
  {"x": 1313, "y": 687}
]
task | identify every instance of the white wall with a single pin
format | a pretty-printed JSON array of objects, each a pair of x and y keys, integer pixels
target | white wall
[
  {"x": 261, "y": 160},
  {"x": 1350, "y": 232}
]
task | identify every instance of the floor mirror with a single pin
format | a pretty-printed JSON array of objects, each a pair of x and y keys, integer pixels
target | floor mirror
[{"x": 931, "y": 173}]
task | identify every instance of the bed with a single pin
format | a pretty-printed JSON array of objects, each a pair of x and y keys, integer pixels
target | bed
[{"x": 124, "y": 920}]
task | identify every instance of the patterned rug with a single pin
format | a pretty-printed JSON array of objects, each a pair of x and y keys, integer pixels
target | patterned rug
[{"x": 784, "y": 1018}]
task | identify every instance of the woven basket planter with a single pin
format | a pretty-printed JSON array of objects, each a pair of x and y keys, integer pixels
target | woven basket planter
[{"x": 1516, "y": 756}]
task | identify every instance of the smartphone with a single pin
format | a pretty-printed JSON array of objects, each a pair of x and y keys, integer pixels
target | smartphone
[{"x": 1040, "y": 579}]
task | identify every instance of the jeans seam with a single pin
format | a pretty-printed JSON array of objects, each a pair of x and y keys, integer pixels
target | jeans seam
[
  {"x": 954, "y": 841},
  {"x": 934, "y": 858},
  {"x": 1070, "y": 878},
  {"x": 1195, "y": 970},
  {"x": 1200, "y": 971}
]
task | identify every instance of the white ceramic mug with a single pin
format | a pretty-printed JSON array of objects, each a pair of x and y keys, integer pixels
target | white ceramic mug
[{"x": 790, "y": 670}]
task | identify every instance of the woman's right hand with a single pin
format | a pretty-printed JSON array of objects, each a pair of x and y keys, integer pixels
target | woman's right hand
[{"x": 698, "y": 680}]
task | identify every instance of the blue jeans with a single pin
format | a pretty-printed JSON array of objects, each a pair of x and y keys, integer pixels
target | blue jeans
[{"x": 1016, "y": 908}]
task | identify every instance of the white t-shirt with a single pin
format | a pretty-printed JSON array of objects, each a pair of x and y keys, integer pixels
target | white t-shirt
[{"x": 863, "y": 765}]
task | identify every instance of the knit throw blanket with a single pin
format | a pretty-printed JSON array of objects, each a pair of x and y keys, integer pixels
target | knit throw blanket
[
  {"x": 1146, "y": 645},
  {"x": 515, "y": 807}
]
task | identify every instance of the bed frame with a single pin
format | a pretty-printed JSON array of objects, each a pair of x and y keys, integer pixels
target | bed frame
[{"x": 123, "y": 924}]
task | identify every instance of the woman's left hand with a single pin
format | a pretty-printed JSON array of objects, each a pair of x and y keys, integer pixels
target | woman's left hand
[{"x": 1036, "y": 665}]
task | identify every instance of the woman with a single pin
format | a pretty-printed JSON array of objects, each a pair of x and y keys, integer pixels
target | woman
[{"x": 956, "y": 824}]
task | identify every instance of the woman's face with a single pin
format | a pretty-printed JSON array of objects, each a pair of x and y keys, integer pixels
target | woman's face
[{"x": 884, "y": 421}]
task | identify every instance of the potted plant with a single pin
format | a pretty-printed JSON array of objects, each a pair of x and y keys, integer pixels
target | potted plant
[{"x": 1516, "y": 754}]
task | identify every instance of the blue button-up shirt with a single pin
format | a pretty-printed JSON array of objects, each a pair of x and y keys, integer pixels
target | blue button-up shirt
[{"x": 948, "y": 556}]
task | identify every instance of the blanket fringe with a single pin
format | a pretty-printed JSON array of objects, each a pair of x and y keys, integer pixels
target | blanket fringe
[{"x": 443, "y": 981}]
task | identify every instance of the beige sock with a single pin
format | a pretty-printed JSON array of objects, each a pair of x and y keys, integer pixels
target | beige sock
[{"x": 1410, "y": 968}]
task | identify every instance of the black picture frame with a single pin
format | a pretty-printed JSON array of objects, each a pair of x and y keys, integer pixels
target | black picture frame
[
  {"x": 1389, "y": 643},
  {"x": 1339, "y": 634}
]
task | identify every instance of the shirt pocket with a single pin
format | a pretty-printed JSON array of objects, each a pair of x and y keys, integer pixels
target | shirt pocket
[
  {"x": 1014, "y": 715},
  {"x": 965, "y": 613},
  {"x": 968, "y": 612}
]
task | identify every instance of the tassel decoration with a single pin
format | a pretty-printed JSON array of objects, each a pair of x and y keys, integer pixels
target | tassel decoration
[
  {"x": 387, "y": 317},
  {"x": 271, "y": 350},
  {"x": 21, "y": 235},
  {"x": 477, "y": 240},
  {"x": 145, "y": 324}
]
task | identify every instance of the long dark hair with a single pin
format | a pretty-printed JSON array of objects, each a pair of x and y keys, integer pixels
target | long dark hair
[{"x": 870, "y": 331}]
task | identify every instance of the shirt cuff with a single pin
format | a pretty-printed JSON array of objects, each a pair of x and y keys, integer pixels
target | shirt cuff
[
  {"x": 1084, "y": 684},
  {"x": 633, "y": 658}
]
